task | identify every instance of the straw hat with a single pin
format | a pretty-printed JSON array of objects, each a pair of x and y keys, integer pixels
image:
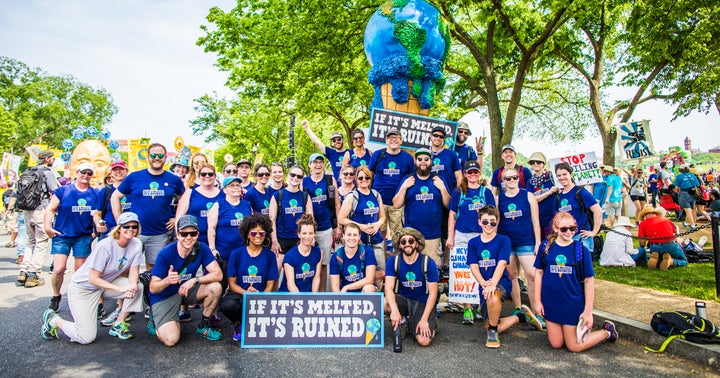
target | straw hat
[{"x": 649, "y": 210}]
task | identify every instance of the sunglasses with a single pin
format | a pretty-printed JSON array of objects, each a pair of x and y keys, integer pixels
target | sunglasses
[
  {"x": 533, "y": 162},
  {"x": 359, "y": 138},
  {"x": 86, "y": 172},
  {"x": 295, "y": 175},
  {"x": 363, "y": 178},
  {"x": 473, "y": 172},
  {"x": 264, "y": 174},
  {"x": 231, "y": 171},
  {"x": 466, "y": 132},
  {"x": 207, "y": 174},
  {"x": 486, "y": 222},
  {"x": 566, "y": 229},
  {"x": 257, "y": 233},
  {"x": 128, "y": 226},
  {"x": 405, "y": 241},
  {"x": 439, "y": 136},
  {"x": 336, "y": 140},
  {"x": 191, "y": 234},
  {"x": 511, "y": 178},
  {"x": 346, "y": 174},
  {"x": 423, "y": 159},
  {"x": 157, "y": 156}
]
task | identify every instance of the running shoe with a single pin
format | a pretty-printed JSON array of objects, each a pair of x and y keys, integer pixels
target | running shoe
[
  {"x": 121, "y": 331},
  {"x": 208, "y": 333},
  {"x": 541, "y": 320},
  {"x": 613, "y": 334},
  {"x": 147, "y": 313},
  {"x": 184, "y": 317},
  {"x": 100, "y": 310},
  {"x": 54, "y": 302},
  {"x": 110, "y": 319},
  {"x": 478, "y": 313},
  {"x": 468, "y": 317},
  {"x": 33, "y": 280},
  {"x": 151, "y": 323},
  {"x": 530, "y": 317},
  {"x": 237, "y": 332},
  {"x": 493, "y": 340},
  {"x": 49, "y": 331}
]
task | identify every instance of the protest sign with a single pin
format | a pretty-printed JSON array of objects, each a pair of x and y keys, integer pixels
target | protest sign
[
  {"x": 585, "y": 168},
  {"x": 9, "y": 169},
  {"x": 415, "y": 129},
  {"x": 463, "y": 287},
  {"x": 312, "y": 320},
  {"x": 634, "y": 140}
]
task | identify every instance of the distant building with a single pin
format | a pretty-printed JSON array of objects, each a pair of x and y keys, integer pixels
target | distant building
[
  {"x": 714, "y": 150},
  {"x": 688, "y": 144}
]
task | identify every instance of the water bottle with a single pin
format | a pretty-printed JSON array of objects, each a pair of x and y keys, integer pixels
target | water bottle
[
  {"x": 701, "y": 310},
  {"x": 397, "y": 340}
]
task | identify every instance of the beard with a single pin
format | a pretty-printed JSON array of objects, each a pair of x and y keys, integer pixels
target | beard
[
  {"x": 423, "y": 171},
  {"x": 409, "y": 251}
]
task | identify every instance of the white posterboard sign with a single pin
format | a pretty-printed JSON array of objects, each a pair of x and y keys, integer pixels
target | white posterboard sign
[
  {"x": 585, "y": 168},
  {"x": 463, "y": 287},
  {"x": 634, "y": 140}
]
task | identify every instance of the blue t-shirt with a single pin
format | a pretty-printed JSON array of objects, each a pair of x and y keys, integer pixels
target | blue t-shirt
[
  {"x": 617, "y": 185},
  {"x": 563, "y": 296},
  {"x": 255, "y": 271},
  {"x": 487, "y": 256},
  {"x": 367, "y": 211},
  {"x": 390, "y": 171},
  {"x": 568, "y": 204},
  {"x": 524, "y": 175},
  {"x": 73, "y": 212},
  {"x": 652, "y": 185},
  {"x": 353, "y": 269},
  {"x": 467, "y": 205},
  {"x": 465, "y": 153},
  {"x": 516, "y": 219},
  {"x": 109, "y": 218},
  {"x": 288, "y": 213},
  {"x": 686, "y": 181},
  {"x": 150, "y": 197},
  {"x": 444, "y": 164},
  {"x": 335, "y": 158},
  {"x": 539, "y": 185},
  {"x": 320, "y": 198},
  {"x": 412, "y": 280},
  {"x": 199, "y": 206},
  {"x": 227, "y": 232},
  {"x": 305, "y": 268},
  {"x": 423, "y": 208},
  {"x": 169, "y": 256},
  {"x": 357, "y": 161},
  {"x": 260, "y": 202},
  {"x": 600, "y": 192}
]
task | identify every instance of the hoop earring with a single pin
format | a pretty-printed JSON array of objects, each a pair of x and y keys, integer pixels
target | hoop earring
[{"x": 266, "y": 243}]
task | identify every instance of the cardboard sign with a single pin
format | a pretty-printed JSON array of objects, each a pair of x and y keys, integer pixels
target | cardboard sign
[
  {"x": 463, "y": 287},
  {"x": 634, "y": 140},
  {"x": 415, "y": 129},
  {"x": 312, "y": 320},
  {"x": 585, "y": 168}
]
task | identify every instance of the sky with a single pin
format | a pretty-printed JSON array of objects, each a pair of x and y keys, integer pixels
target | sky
[{"x": 144, "y": 54}]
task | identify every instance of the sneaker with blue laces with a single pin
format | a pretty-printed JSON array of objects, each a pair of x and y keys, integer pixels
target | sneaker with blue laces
[
  {"x": 541, "y": 320},
  {"x": 184, "y": 316},
  {"x": 208, "y": 332},
  {"x": 121, "y": 331},
  {"x": 530, "y": 317},
  {"x": 49, "y": 331}
]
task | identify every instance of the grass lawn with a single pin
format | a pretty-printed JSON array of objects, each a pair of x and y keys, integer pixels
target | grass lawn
[{"x": 695, "y": 280}]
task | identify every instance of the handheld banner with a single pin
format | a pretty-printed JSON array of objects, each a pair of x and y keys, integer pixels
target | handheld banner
[
  {"x": 585, "y": 168},
  {"x": 463, "y": 287},
  {"x": 312, "y": 320},
  {"x": 415, "y": 129},
  {"x": 634, "y": 140},
  {"x": 9, "y": 170}
]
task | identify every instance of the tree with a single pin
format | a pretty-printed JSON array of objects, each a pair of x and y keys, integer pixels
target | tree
[{"x": 39, "y": 108}]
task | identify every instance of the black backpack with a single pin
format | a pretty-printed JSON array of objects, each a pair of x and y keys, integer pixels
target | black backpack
[
  {"x": 683, "y": 325},
  {"x": 31, "y": 188}
]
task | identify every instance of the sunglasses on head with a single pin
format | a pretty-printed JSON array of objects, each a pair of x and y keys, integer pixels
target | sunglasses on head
[
  {"x": 405, "y": 241},
  {"x": 133, "y": 226},
  {"x": 157, "y": 156},
  {"x": 295, "y": 175},
  {"x": 486, "y": 222},
  {"x": 257, "y": 233},
  {"x": 231, "y": 171},
  {"x": 263, "y": 174},
  {"x": 511, "y": 178},
  {"x": 364, "y": 178},
  {"x": 439, "y": 136},
  {"x": 185, "y": 234},
  {"x": 346, "y": 174},
  {"x": 566, "y": 229},
  {"x": 86, "y": 172},
  {"x": 207, "y": 174}
]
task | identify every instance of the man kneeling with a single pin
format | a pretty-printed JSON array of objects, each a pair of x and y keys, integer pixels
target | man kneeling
[
  {"x": 170, "y": 287},
  {"x": 411, "y": 281}
]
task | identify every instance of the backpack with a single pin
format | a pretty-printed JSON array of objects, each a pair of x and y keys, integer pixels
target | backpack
[
  {"x": 423, "y": 263},
  {"x": 331, "y": 199},
  {"x": 519, "y": 169},
  {"x": 694, "y": 253},
  {"x": 683, "y": 325},
  {"x": 356, "y": 197},
  {"x": 106, "y": 199},
  {"x": 579, "y": 269},
  {"x": 583, "y": 208},
  {"x": 383, "y": 152},
  {"x": 462, "y": 199},
  {"x": 280, "y": 197},
  {"x": 341, "y": 259},
  {"x": 31, "y": 188}
]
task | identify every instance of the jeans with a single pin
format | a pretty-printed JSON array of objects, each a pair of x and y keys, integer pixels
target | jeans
[
  {"x": 673, "y": 249},
  {"x": 22, "y": 236}
]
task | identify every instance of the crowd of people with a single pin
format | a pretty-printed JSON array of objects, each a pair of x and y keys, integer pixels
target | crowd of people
[{"x": 380, "y": 220}]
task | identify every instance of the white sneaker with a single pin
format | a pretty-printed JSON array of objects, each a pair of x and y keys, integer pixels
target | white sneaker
[
  {"x": 703, "y": 240},
  {"x": 110, "y": 319}
]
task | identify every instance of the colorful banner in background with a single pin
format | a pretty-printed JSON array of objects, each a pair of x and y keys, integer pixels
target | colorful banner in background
[
  {"x": 585, "y": 168},
  {"x": 9, "y": 168},
  {"x": 463, "y": 287},
  {"x": 138, "y": 154},
  {"x": 634, "y": 140}
]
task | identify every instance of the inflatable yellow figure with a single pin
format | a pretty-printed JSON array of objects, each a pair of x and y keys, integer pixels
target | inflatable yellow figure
[{"x": 95, "y": 153}]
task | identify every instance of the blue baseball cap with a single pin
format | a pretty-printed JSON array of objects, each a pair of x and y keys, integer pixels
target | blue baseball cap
[
  {"x": 230, "y": 179},
  {"x": 186, "y": 221}
]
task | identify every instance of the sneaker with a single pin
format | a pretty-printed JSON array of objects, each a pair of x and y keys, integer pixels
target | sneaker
[
  {"x": 438, "y": 313},
  {"x": 523, "y": 287},
  {"x": 478, "y": 313},
  {"x": 237, "y": 331},
  {"x": 100, "y": 310},
  {"x": 21, "y": 278},
  {"x": 33, "y": 280},
  {"x": 52, "y": 266},
  {"x": 653, "y": 261},
  {"x": 10, "y": 245},
  {"x": 110, "y": 319},
  {"x": 468, "y": 317},
  {"x": 147, "y": 313},
  {"x": 208, "y": 333},
  {"x": 48, "y": 331},
  {"x": 610, "y": 327},
  {"x": 667, "y": 262},
  {"x": 445, "y": 272},
  {"x": 121, "y": 331},
  {"x": 151, "y": 328},
  {"x": 530, "y": 317},
  {"x": 493, "y": 341},
  {"x": 516, "y": 311},
  {"x": 541, "y": 320},
  {"x": 54, "y": 302},
  {"x": 184, "y": 317},
  {"x": 703, "y": 240}
]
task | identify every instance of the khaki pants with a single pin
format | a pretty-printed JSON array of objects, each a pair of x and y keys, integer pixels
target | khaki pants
[
  {"x": 38, "y": 242},
  {"x": 393, "y": 220},
  {"x": 433, "y": 250}
]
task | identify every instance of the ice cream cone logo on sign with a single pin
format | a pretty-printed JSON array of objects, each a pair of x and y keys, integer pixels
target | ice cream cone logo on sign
[
  {"x": 485, "y": 254},
  {"x": 372, "y": 326},
  {"x": 561, "y": 261}
]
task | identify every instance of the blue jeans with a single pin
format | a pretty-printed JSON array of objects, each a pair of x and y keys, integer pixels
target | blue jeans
[
  {"x": 22, "y": 235},
  {"x": 673, "y": 249}
]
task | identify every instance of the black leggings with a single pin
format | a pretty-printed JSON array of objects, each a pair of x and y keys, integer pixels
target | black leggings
[{"x": 231, "y": 306}]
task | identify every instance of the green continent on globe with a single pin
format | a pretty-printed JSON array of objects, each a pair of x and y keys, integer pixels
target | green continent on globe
[{"x": 412, "y": 37}]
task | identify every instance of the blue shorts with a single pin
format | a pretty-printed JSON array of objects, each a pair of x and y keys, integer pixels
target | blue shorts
[
  {"x": 80, "y": 245},
  {"x": 686, "y": 200},
  {"x": 523, "y": 250}
]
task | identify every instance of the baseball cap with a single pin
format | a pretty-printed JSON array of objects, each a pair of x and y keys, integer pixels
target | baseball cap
[
  {"x": 470, "y": 165},
  {"x": 393, "y": 130},
  {"x": 439, "y": 128},
  {"x": 508, "y": 147},
  {"x": 44, "y": 154},
  {"x": 243, "y": 161},
  {"x": 118, "y": 163},
  {"x": 127, "y": 217},
  {"x": 229, "y": 179},
  {"x": 314, "y": 157},
  {"x": 423, "y": 151},
  {"x": 335, "y": 135},
  {"x": 85, "y": 166},
  {"x": 186, "y": 221}
]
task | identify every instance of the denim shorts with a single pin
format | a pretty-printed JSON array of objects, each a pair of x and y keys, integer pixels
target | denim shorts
[
  {"x": 523, "y": 250},
  {"x": 686, "y": 200},
  {"x": 80, "y": 245}
]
